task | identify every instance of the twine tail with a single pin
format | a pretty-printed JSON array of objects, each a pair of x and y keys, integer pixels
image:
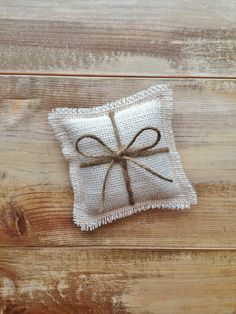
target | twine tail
[
  {"x": 148, "y": 169},
  {"x": 124, "y": 166}
]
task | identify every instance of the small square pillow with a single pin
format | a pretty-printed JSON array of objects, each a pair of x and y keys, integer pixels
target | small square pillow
[{"x": 122, "y": 157}]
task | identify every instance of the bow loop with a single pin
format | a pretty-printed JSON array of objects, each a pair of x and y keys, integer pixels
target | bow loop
[
  {"x": 96, "y": 139},
  {"x": 136, "y": 152}
]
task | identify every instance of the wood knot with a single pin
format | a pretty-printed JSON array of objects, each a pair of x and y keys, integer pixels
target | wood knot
[{"x": 15, "y": 222}]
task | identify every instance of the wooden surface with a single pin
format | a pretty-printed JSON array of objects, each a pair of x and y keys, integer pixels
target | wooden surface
[
  {"x": 117, "y": 281},
  {"x": 125, "y": 37},
  {"x": 34, "y": 175},
  {"x": 85, "y": 53}
]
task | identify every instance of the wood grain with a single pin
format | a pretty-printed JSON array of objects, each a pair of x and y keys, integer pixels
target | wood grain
[
  {"x": 71, "y": 280},
  {"x": 59, "y": 53},
  {"x": 36, "y": 197},
  {"x": 128, "y": 37}
]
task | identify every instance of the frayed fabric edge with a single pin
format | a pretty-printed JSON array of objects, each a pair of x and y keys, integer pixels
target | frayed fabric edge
[
  {"x": 166, "y": 118},
  {"x": 126, "y": 212},
  {"x": 117, "y": 104}
]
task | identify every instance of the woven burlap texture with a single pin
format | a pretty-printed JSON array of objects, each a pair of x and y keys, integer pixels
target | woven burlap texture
[{"x": 148, "y": 108}]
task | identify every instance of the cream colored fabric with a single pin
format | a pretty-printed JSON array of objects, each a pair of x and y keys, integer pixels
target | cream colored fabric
[{"x": 149, "y": 108}]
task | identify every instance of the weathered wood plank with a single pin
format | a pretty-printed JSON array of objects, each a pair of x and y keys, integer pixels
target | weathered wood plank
[
  {"x": 192, "y": 38},
  {"x": 42, "y": 215},
  {"x": 71, "y": 280},
  {"x": 35, "y": 195}
]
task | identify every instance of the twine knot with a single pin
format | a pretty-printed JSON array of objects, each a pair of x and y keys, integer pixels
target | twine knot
[
  {"x": 119, "y": 154},
  {"x": 123, "y": 154}
]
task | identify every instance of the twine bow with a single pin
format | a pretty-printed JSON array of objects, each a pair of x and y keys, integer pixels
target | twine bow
[{"x": 123, "y": 154}]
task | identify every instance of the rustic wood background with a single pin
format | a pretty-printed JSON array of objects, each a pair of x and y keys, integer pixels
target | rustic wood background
[{"x": 83, "y": 53}]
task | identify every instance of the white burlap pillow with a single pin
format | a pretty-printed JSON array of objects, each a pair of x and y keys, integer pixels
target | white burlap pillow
[{"x": 122, "y": 157}]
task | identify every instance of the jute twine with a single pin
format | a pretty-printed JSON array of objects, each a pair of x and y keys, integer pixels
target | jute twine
[{"x": 122, "y": 155}]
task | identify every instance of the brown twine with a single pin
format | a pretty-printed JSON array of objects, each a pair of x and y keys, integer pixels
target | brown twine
[{"x": 123, "y": 154}]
